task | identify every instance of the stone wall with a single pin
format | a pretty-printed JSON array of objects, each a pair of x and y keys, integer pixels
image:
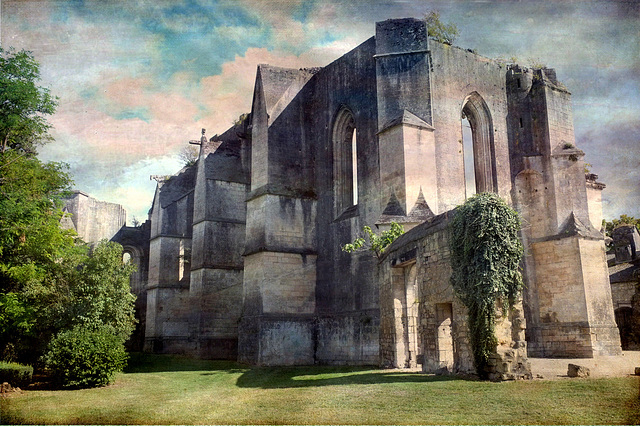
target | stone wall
[
  {"x": 574, "y": 315},
  {"x": 440, "y": 342},
  {"x": 246, "y": 246},
  {"x": 135, "y": 245},
  {"x": 622, "y": 293},
  {"x": 92, "y": 219},
  {"x": 464, "y": 81}
]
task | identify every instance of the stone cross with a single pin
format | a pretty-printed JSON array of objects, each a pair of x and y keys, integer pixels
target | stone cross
[{"x": 202, "y": 140}]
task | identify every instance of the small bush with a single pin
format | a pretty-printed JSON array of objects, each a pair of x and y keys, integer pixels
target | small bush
[
  {"x": 82, "y": 358},
  {"x": 16, "y": 375}
]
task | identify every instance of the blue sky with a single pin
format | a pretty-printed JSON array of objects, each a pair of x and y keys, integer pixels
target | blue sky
[{"x": 137, "y": 79}]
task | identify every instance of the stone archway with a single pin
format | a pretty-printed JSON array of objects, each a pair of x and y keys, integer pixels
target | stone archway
[{"x": 137, "y": 284}]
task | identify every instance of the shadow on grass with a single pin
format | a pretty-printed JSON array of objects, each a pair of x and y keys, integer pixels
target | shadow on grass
[
  {"x": 150, "y": 363},
  {"x": 315, "y": 376},
  {"x": 280, "y": 377}
]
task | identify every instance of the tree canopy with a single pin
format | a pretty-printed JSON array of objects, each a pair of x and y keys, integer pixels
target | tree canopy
[
  {"x": 624, "y": 219},
  {"x": 23, "y": 104},
  {"x": 50, "y": 281},
  {"x": 444, "y": 33}
]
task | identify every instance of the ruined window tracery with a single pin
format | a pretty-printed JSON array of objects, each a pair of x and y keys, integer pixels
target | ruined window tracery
[{"x": 345, "y": 164}]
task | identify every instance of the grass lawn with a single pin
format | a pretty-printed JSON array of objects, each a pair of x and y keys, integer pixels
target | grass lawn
[{"x": 162, "y": 389}]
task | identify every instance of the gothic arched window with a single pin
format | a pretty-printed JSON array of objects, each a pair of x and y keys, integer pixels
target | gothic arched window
[
  {"x": 478, "y": 146},
  {"x": 345, "y": 164}
]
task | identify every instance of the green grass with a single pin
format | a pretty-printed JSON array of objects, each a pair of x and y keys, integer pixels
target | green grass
[{"x": 171, "y": 390}]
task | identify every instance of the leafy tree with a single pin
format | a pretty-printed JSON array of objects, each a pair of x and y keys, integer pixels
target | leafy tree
[
  {"x": 444, "y": 33},
  {"x": 23, "y": 105},
  {"x": 34, "y": 250},
  {"x": 624, "y": 219},
  {"x": 485, "y": 261},
  {"x": 49, "y": 282},
  {"x": 375, "y": 243},
  {"x": 101, "y": 296}
]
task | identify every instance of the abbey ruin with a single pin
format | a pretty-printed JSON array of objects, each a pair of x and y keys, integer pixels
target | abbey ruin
[{"x": 244, "y": 247}]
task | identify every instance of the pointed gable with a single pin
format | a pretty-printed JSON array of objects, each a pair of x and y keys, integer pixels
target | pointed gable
[{"x": 406, "y": 118}]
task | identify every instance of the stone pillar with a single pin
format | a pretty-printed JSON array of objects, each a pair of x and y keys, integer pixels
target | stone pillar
[
  {"x": 406, "y": 137},
  {"x": 568, "y": 296},
  {"x": 277, "y": 326},
  {"x": 408, "y": 162},
  {"x": 216, "y": 258},
  {"x": 167, "y": 320}
]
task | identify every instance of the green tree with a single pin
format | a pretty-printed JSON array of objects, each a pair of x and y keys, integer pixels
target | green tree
[
  {"x": 23, "y": 104},
  {"x": 444, "y": 33},
  {"x": 34, "y": 251},
  {"x": 485, "y": 261},
  {"x": 102, "y": 296},
  {"x": 49, "y": 281},
  {"x": 624, "y": 219},
  {"x": 375, "y": 243}
]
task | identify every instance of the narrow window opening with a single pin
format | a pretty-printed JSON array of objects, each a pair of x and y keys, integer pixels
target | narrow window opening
[
  {"x": 345, "y": 162},
  {"x": 519, "y": 84},
  {"x": 469, "y": 165},
  {"x": 354, "y": 166},
  {"x": 181, "y": 262},
  {"x": 521, "y": 122},
  {"x": 479, "y": 158}
]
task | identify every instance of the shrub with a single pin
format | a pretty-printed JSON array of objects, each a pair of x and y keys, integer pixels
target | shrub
[
  {"x": 15, "y": 374},
  {"x": 82, "y": 358}
]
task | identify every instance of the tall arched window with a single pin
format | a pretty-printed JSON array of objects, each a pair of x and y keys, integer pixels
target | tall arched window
[
  {"x": 345, "y": 161},
  {"x": 469, "y": 167},
  {"x": 476, "y": 113}
]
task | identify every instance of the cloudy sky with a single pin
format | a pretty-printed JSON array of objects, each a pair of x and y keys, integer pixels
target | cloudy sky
[{"x": 137, "y": 79}]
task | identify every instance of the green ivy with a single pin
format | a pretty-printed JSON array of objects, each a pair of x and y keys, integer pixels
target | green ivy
[{"x": 485, "y": 258}]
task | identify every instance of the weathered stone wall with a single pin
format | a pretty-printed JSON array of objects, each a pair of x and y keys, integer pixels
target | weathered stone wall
[
  {"x": 168, "y": 307},
  {"x": 594, "y": 199},
  {"x": 573, "y": 300},
  {"x": 348, "y": 338},
  {"x": 135, "y": 244},
  {"x": 441, "y": 341},
  {"x": 459, "y": 76},
  {"x": 622, "y": 293},
  {"x": 567, "y": 295},
  {"x": 285, "y": 215},
  {"x": 92, "y": 219},
  {"x": 218, "y": 242}
]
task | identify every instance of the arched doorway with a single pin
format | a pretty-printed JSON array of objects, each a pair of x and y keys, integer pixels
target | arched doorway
[
  {"x": 623, "y": 321},
  {"x": 408, "y": 347}
]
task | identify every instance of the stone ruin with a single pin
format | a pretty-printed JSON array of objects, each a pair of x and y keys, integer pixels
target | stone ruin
[{"x": 244, "y": 247}]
